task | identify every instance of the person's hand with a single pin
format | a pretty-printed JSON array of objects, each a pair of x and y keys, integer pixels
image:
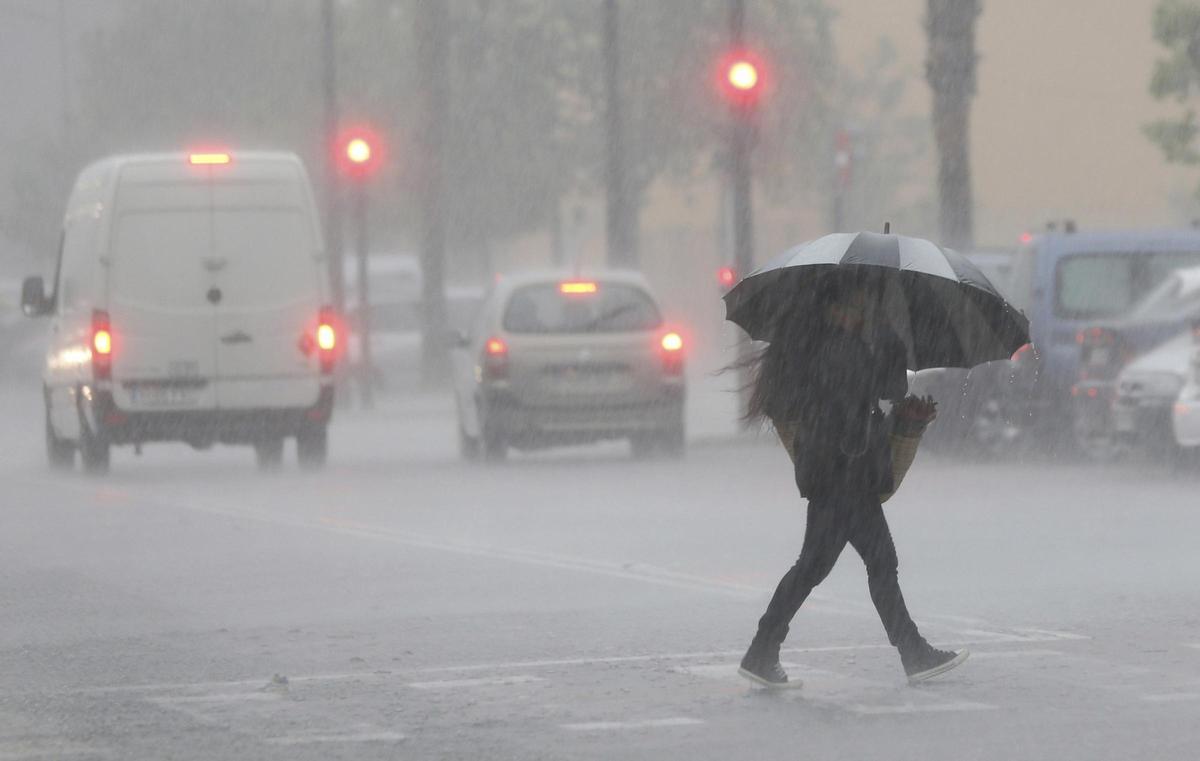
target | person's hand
[{"x": 917, "y": 409}]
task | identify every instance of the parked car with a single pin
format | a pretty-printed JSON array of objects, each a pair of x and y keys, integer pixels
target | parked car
[
  {"x": 1147, "y": 391},
  {"x": 554, "y": 359},
  {"x": 1185, "y": 417},
  {"x": 1107, "y": 348},
  {"x": 1066, "y": 283},
  {"x": 189, "y": 303}
]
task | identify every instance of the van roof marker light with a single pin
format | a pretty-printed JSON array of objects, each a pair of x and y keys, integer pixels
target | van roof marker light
[
  {"x": 577, "y": 287},
  {"x": 209, "y": 159}
]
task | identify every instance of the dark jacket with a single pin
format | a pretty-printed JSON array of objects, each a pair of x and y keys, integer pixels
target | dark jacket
[{"x": 841, "y": 442}]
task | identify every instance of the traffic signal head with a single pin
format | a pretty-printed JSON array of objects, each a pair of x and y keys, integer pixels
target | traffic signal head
[
  {"x": 358, "y": 152},
  {"x": 741, "y": 78},
  {"x": 726, "y": 278}
]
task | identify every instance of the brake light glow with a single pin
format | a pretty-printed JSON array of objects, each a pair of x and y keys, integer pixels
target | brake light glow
[
  {"x": 102, "y": 345},
  {"x": 495, "y": 359},
  {"x": 326, "y": 337},
  {"x": 672, "y": 342},
  {"x": 209, "y": 159},
  {"x": 577, "y": 287},
  {"x": 496, "y": 347},
  {"x": 102, "y": 342}
]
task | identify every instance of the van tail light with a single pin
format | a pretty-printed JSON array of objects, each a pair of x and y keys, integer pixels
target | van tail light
[
  {"x": 327, "y": 339},
  {"x": 495, "y": 359},
  {"x": 671, "y": 348},
  {"x": 1102, "y": 354},
  {"x": 102, "y": 345}
]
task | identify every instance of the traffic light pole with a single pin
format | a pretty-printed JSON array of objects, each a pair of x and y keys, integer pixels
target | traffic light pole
[
  {"x": 333, "y": 185},
  {"x": 366, "y": 368},
  {"x": 741, "y": 182}
]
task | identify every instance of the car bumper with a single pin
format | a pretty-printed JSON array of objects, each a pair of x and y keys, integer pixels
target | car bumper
[
  {"x": 583, "y": 421},
  {"x": 1142, "y": 420},
  {"x": 203, "y": 427}
]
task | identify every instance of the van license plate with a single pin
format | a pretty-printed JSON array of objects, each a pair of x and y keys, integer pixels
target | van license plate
[{"x": 162, "y": 396}]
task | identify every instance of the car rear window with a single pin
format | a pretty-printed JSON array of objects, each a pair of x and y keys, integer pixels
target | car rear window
[
  {"x": 611, "y": 308},
  {"x": 1107, "y": 285}
]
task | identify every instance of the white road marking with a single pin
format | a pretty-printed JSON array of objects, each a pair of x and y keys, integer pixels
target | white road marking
[
  {"x": 632, "y": 571},
  {"x": 21, "y": 750},
  {"x": 452, "y": 684},
  {"x": 604, "y": 726},
  {"x": 881, "y": 710},
  {"x": 1193, "y": 645},
  {"x": 1172, "y": 697},
  {"x": 1031, "y": 653},
  {"x": 358, "y": 737}
]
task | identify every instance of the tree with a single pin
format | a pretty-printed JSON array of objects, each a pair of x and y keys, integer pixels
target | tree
[
  {"x": 950, "y": 71},
  {"x": 1177, "y": 77}
]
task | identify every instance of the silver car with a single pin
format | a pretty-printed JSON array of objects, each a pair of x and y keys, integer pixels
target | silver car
[{"x": 553, "y": 360}]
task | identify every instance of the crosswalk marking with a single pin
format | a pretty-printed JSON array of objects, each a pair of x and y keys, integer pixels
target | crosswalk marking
[
  {"x": 451, "y": 684},
  {"x": 354, "y": 737},
  {"x": 601, "y": 726}
]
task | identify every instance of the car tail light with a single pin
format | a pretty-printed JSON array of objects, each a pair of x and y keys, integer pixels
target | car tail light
[
  {"x": 671, "y": 345},
  {"x": 327, "y": 339},
  {"x": 1102, "y": 354},
  {"x": 495, "y": 359},
  {"x": 102, "y": 345}
]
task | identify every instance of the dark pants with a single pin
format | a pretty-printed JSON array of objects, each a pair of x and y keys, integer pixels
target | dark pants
[{"x": 833, "y": 521}]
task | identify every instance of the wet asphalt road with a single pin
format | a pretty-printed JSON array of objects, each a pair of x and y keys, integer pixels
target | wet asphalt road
[{"x": 576, "y": 605}]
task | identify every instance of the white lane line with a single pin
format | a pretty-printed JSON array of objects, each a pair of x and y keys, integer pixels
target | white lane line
[
  {"x": 358, "y": 737},
  {"x": 1193, "y": 645},
  {"x": 608, "y": 726},
  {"x": 1172, "y": 697},
  {"x": 884, "y": 710},
  {"x": 1031, "y": 653},
  {"x": 20, "y": 751},
  {"x": 454, "y": 684},
  {"x": 240, "y": 697},
  {"x": 631, "y": 571}
]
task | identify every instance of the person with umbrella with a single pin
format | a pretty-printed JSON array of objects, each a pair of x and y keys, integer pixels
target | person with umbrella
[{"x": 845, "y": 317}]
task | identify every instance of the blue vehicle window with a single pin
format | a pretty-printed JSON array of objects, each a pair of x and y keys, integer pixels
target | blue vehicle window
[{"x": 1090, "y": 286}]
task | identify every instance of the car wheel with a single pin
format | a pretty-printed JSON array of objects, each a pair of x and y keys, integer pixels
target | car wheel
[
  {"x": 312, "y": 447},
  {"x": 642, "y": 445},
  {"x": 60, "y": 455},
  {"x": 468, "y": 446},
  {"x": 673, "y": 441},
  {"x": 268, "y": 454},
  {"x": 94, "y": 451}
]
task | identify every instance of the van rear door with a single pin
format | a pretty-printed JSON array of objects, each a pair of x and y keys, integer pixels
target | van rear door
[
  {"x": 163, "y": 326},
  {"x": 268, "y": 271}
]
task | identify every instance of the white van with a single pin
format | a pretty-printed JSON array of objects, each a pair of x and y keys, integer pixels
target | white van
[{"x": 189, "y": 303}]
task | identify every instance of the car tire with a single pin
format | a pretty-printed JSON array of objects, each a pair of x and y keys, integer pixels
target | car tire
[
  {"x": 312, "y": 447},
  {"x": 468, "y": 446},
  {"x": 60, "y": 455},
  {"x": 495, "y": 444},
  {"x": 673, "y": 441},
  {"x": 642, "y": 446},
  {"x": 95, "y": 453},
  {"x": 268, "y": 454}
]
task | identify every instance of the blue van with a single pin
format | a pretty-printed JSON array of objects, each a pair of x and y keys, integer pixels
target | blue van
[{"x": 1065, "y": 282}]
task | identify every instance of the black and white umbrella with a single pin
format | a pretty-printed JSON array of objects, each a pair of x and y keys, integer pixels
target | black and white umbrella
[{"x": 946, "y": 311}]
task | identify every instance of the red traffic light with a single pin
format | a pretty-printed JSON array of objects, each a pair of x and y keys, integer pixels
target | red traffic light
[
  {"x": 741, "y": 78},
  {"x": 358, "y": 152},
  {"x": 727, "y": 277}
]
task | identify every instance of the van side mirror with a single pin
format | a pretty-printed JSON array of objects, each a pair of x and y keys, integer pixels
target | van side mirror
[{"x": 34, "y": 302}]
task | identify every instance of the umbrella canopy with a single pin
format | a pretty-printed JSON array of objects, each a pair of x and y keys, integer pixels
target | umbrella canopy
[{"x": 940, "y": 304}]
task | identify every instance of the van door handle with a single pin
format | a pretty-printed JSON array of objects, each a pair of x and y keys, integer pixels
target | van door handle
[{"x": 215, "y": 263}]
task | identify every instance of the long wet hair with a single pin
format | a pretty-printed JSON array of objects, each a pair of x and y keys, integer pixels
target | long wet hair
[{"x": 776, "y": 374}]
